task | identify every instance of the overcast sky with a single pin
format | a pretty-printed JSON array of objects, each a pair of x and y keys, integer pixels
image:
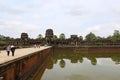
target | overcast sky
[{"x": 79, "y": 17}]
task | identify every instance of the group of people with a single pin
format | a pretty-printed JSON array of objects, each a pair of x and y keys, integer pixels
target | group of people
[
  {"x": 10, "y": 48},
  {"x": 36, "y": 46}
]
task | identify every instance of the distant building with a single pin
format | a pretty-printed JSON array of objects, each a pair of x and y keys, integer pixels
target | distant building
[
  {"x": 24, "y": 36},
  {"x": 73, "y": 37},
  {"x": 49, "y": 35}
]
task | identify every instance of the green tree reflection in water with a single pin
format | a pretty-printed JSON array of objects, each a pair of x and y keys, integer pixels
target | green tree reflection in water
[
  {"x": 62, "y": 63},
  {"x": 62, "y": 56},
  {"x": 80, "y": 59},
  {"x": 93, "y": 60},
  {"x": 50, "y": 63},
  {"x": 116, "y": 59}
]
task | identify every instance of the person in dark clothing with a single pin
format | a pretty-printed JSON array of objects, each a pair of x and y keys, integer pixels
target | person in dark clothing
[{"x": 13, "y": 50}]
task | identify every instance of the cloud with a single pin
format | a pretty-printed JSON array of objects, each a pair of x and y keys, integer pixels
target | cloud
[
  {"x": 103, "y": 30},
  {"x": 77, "y": 11},
  {"x": 94, "y": 28},
  {"x": 74, "y": 8},
  {"x": 36, "y": 17},
  {"x": 11, "y": 10},
  {"x": 71, "y": 17},
  {"x": 115, "y": 26},
  {"x": 15, "y": 27}
]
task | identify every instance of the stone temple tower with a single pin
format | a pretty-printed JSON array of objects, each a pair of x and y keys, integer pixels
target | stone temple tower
[
  {"x": 24, "y": 39},
  {"x": 49, "y": 35},
  {"x": 24, "y": 36}
]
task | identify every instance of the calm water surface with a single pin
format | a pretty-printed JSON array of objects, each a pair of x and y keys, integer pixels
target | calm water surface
[{"x": 68, "y": 64}]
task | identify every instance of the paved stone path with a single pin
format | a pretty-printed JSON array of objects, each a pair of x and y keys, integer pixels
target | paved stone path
[{"x": 18, "y": 53}]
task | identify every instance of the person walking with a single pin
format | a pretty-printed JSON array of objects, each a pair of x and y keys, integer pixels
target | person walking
[
  {"x": 8, "y": 50},
  {"x": 13, "y": 50}
]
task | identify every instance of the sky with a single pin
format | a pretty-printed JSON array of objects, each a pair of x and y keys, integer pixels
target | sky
[{"x": 70, "y": 17}]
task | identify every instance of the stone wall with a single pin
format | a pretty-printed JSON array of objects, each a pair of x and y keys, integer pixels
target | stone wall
[{"x": 23, "y": 68}]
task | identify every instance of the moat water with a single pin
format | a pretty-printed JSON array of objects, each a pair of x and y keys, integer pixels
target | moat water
[{"x": 71, "y": 64}]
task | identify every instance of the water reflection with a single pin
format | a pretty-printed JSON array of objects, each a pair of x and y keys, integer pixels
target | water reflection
[
  {"x": 76, "y": 57},
  {"x": 62, "y": 56},
  {"x": 62, "y": 63},
  {"x": 116, "y": 59},
  {"x": 93, "y": 60}
]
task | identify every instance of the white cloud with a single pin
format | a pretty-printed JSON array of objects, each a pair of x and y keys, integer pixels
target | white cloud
[
  {"x": 103, "y": 30},
  {"x": 16, "y": 27},
  {"x": 116, "y": 26},
  {"x": 11, "y": 10},
  {"x": 36, "y": 17},
  {"x": 94, "y": 28}
]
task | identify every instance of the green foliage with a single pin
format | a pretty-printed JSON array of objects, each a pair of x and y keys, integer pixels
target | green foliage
[
  {"x": 109, "y": 37},
  {"x": 90, "y": 37},
  {"x": 40, "y": 36},
  {"x": 62, "y": 36},
  {"x": 5, "y": 37},
  {"x": 2, "y": 43},
  {"x": 99, "y": 38},
  {"x": 2, "y": 37},
  {"x": 80, "y": 38},
  {"x": 116, "y": 35},
  {"x": 54, "y": 37}
]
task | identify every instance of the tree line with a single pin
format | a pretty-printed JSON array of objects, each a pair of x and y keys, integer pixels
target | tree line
[
  {"x": 2, "y": 38},
  {"x": 89, "y": 37}
]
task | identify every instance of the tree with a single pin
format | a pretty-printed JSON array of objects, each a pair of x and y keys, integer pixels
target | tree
[
  {"x": 80, "y": 38},
  {"x": 8, "y": 38},
  {"x": 110, "y": 37},
  {"x": 2, "y": 37},
  {"x": 62, "y": 36},
  {"x": 116, "y": 35},
  {"x": 54, "y": 37},
  {"x": 40, "y": 36},
  {"x": 99, "y": 38},
  {"x": 90, "y": 37}
]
